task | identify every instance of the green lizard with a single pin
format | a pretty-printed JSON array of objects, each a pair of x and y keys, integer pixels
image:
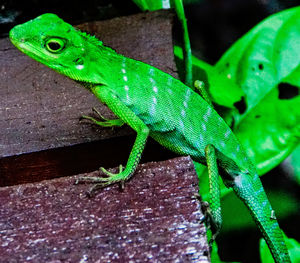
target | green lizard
[{"x": 153, "y": 104}]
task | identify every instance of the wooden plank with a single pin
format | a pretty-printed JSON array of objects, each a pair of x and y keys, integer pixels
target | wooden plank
[
  {"x": 40, "y": 109},
  {"x": 154, "y": 219}
]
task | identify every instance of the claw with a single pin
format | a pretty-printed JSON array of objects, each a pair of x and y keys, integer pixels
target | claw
[
  {"x": 86, "y": 117},
  {"x": 102, "y": 182},
  {"x": 91, "y": 192},
  {"x": 111, "y": 174},
  {"x": 210, "y": 223},
  {"x": 99, "y": 114},
  {"x": 87, "y": 179},
  {"x": 107, "y": 172},
  {"x": 102, "y": 121},
  {"x": 122, "y": 185}
]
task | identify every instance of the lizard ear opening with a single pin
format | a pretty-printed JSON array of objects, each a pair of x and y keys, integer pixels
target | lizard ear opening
[{"x": 55, "y": 45}]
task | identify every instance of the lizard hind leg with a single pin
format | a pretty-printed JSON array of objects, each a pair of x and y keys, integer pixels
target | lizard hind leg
[{"x": 214, "y": 212}]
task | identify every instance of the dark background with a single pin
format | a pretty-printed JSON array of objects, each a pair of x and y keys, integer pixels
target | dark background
[{"x": 213, "y": 24}]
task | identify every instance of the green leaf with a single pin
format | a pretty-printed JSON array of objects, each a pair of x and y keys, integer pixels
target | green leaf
[
  {"x": 270, "y": 131},
  {"x": 214, "y": 256},
  {"x": 265, "y": 63},
  {"x": 216, "y": 84},
  {"x": 295, "y": 162},
  {"x": 284, "y": 203},
  {"x": 291, "y": 165},
  {"x": 152, "y": 5},
  {"x": 292, "y": 245}
]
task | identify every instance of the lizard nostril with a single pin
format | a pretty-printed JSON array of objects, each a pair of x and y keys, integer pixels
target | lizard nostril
[{"x": 78, "y": 61}]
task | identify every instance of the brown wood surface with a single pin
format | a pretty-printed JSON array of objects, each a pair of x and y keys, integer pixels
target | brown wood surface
[
  {"x": 41, "y": 136},
  {"x": 156, "y": 218}
]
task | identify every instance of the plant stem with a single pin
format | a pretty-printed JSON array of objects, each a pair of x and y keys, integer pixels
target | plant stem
[{"x": 187, "y": 53}]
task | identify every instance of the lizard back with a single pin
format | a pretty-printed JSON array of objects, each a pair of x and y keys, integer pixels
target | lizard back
[{"x": 178, "y": 118}]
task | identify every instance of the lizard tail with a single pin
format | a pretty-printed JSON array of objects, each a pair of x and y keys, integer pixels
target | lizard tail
[{"x": 250, "y": 190}]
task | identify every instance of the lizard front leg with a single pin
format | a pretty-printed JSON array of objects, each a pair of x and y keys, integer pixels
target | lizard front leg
[
  {"x": 127, "y": 116},
  {"x": 103, "y": 122}
]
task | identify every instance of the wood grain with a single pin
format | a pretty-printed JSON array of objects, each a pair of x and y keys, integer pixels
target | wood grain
[{"x": 156, "y": 218}]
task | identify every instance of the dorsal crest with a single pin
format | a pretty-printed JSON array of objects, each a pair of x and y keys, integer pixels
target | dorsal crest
[
  {"x": 91, "y": 39},
  {"x": 94, "y": 40}
]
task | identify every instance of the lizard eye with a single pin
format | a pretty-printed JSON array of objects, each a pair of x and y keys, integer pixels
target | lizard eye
[{"x": 55, "y": 45}]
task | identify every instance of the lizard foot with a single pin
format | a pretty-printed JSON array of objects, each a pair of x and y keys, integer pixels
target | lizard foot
[
  {"x": 102, "y": 182},
  {"x": 102, "y": 120},
  {"x": 211, "y": 224}
]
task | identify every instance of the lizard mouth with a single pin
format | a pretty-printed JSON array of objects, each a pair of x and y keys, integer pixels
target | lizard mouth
[
  {"x": 28, "y": 49},
  {"x": 20, "y": 42},
  {"x": 36, "y": 54},
  {"x": 31, "y": 50}
]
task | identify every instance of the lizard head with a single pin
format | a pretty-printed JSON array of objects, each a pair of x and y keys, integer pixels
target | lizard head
[{"x": 56, "y": 44}]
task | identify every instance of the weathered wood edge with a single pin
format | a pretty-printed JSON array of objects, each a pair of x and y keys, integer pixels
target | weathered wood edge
[{"x": 156, "y": 218}]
